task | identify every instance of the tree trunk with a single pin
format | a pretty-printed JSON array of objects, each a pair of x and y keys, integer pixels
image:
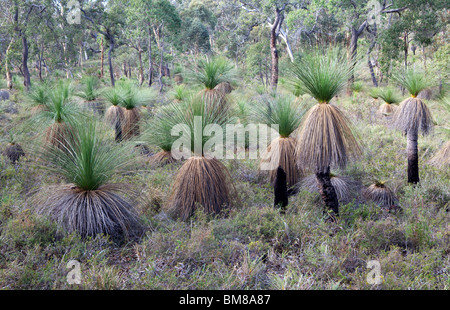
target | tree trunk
[
  {"x": 353, "y": 53},
  {"x": 150, "y": 65},
  {"x": 327, "y": 191},
  {"x": 372, "y": 73},
  {"x": 406, "y": 50},
  {"x": 413, "y": 156},
  {"x": 280, "y": 189},
  {"x": 26, "y": 72},
  {"x": 111, "y": 70},
  {"x": 7, "y": 66},
  {"x": 161, "y": 62},
  {"x": 141, "y": 68},
  {"x": 102, "y": 57},
  {"x": 274, "y": 54}
]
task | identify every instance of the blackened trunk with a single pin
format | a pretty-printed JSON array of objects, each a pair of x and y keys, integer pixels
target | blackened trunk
[
  {"x": 280, "y": 189},
  {"x": 413, "y": 156},
  {"x": 372, "y": 73},
  {"x": 118, "y": 129},
  {"x": 327, "y": 190}
]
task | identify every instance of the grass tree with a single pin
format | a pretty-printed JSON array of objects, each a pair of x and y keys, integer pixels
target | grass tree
[
  {"x": 88, "y": 203},
  {"x": 38, "y": 97},
  {"x": 13, "y": 150},
  {"x": 132, "y": 98},
  {"x": 287, "y": 114},
  {"x": 159, "y": 133},
  {"x": 325, "y": 138},
  {"x": 89, "y": 93},
  {"x": 179, "y": 93},
  {"x": 203, "y": 181},
  {"x": 412, "y": 117},
  {"x": 209, "y": 73},
  {"x": 58, "y": 116},
  {"x": 390, "y": 97},
  {"x": 381, "y": 194},
  {"x": 114, "y": 114}
]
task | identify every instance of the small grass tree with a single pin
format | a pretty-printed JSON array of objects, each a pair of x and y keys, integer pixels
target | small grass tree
[
  {"x": 88, "y": 203},
  {"x": 203, "y": 181},
  {"x": 390, "y": 97},
  {"x": 287, "y": 114},
  {"x": 209, "y": 74}
]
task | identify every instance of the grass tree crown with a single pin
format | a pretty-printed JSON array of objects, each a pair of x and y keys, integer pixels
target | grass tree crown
[
  {"x": 322, "y": 75},
  {"x": 210, "y": 72}
]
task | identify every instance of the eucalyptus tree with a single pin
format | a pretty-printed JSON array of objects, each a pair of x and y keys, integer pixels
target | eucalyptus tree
[{"x": 106, "y": 18}]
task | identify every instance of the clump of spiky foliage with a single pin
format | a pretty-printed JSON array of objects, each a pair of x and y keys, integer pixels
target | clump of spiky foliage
[
  {"x": 89, "y": 92},
  {"x": 287, "y": 114},
  {"x": 159, "y": 133},
  {"x": 413, "y": 80},
  {"x": 346, "y": 188},
  {"x": 59, "y": 114},
  {"x": 325, "y": 138},
  {"x": 132, "y": 98},
  {"x": 180, "y": 93},
  {"x": 88, "y": 204},
  {"x": 381, "y": 194},
  {"x": 357, "y": 86},
  {"x": 390, "y": 97},
  {"x": 209, "y": 73},
  {"x": 38, "y": 97},
  {"x": 374, "y": 92},
  {"x": 203, "y": 181}
]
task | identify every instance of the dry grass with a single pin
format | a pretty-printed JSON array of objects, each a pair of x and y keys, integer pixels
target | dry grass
[
  {"x": 386, "y": 109},
  {"x": 325, "y": 139},
  {"x": 442, "y": 158},
  {"x": 92, "y": 212},
  {"x": 201, "y": 183},
  {"x": 224, "y": 87},
  {"x": 114, "y": 114},
  {"x": 346, "y": 188},
  {"x": 58, "y": 134},
  {"x": 215, "y": 100},
  {"x": 162, "y": 158},
  {"x": 381, "y": 194},
  {"x": 283, "y": 150},
  {"x": 413, "y": 115},
  {"x": 130, "y": 124}
]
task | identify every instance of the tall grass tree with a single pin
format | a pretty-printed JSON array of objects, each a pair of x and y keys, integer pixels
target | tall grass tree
[
  {"x": 325, "y": 138},
  {"x": 413, "y": 116}
]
